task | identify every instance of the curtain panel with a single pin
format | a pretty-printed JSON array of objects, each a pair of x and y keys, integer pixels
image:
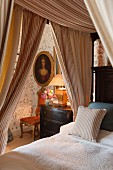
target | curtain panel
[
  {"x": 74, "y": 55},
  {"x": 6, "y": 8},
  {"x": 69, "y": 13},
  {"x": 10, "y": 54},
  {"x": 102, "y": 17},
  {"x": 32, "y": 29}
]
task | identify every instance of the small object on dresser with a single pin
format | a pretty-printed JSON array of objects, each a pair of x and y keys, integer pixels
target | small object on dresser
[
  {"x": 61, "y": 91},
  {"x": 48, "y": 95},
  {"x": 47, "y": 101}
]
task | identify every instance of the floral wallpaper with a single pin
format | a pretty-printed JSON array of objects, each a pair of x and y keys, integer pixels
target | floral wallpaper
[
  {"x": 28, "y": 101},
  {"x": 100, "y": 56}
]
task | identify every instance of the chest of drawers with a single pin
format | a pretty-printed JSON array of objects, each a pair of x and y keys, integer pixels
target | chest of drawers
[{"x": 52, "y": 117}]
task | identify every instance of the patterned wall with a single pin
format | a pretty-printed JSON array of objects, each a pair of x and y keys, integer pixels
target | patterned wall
[
  {"x": 100, "y": 56},
  {"x": 28, "y": 100}
]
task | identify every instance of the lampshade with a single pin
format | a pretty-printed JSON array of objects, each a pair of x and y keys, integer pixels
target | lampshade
[{"x": 57, "y": 81}]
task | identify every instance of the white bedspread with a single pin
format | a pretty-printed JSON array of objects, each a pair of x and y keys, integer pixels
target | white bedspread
[{"x": 60, "y": 152}]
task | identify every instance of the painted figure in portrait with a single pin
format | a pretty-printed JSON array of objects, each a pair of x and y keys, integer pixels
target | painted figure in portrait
[
  {"x": 43, "y": 72},
  {"x": 43, "y": 68}
]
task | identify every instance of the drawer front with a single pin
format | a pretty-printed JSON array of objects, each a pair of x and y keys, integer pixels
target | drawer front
[
  {"x": 53, "y": 114},
  {"x": 45, "y": 133},
  {"x": 50, "y": 126}
]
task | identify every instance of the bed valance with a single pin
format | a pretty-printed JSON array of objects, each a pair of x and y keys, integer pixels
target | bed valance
[{"x": 69, "y": 13}]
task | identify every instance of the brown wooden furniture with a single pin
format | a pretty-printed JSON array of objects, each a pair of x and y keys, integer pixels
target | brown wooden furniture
[
  {"x": 103, "y": 84},
  {"x": 33, "y": 122},
  {"x": 52, "y": 117}
]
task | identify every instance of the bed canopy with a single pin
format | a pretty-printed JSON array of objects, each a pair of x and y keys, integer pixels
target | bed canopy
[
  {"x": 72, "y": 26},
  {"x": 68, "y": 13}
]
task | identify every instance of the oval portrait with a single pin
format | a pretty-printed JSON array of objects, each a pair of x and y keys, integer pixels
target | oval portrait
[{"x": 43, "y": 68}]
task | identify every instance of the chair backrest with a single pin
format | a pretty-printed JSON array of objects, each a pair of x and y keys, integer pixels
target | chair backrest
[{"x": 41, "y": 101}]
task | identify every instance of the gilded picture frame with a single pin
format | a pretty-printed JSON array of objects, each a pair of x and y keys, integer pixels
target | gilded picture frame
[{"x": 43, "y": 68}]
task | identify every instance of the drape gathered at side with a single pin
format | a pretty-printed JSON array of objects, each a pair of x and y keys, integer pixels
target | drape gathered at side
[
  {"x": 69, "y": 13},
  {"x": 32, "y": 29},
  {"x": 10, "y": 53},
  {"x": 101, "y": 12},
  {"x": 74, "y": 55},
  {"x": 5, "y": 14},
  {"x": 6, "y": 8}
]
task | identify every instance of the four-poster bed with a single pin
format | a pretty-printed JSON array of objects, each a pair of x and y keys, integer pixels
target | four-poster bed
[
  {"x": 64, "y": 150},
  {"x": 69, "y": 27},
  {"x": 67, "y": 151}
]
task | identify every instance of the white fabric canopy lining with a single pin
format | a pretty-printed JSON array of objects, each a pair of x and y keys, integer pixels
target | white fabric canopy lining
[{"x": 103, "y": 21}]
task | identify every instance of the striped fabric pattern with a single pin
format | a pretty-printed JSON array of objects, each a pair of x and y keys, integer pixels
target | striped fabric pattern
[
  {"x": 74, "y": 54},
  {"x": 87, "y": 123},
  {"x": 6, "y": 8},
  {"x": 9, "y": 57},
  {"x": 69, "y": 13},
  {"x": 32, "y": 29}
]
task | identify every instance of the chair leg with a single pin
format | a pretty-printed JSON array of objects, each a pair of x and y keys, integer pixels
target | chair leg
[
  {"x": 35, "y": 132},
  {"x": 21, "y": 128}
]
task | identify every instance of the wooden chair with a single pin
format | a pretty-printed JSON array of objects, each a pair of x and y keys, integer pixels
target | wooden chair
[{"x": 33, "y": 122}]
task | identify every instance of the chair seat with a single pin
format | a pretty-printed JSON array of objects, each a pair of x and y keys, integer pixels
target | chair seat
[{"x": 30, "y": 120}]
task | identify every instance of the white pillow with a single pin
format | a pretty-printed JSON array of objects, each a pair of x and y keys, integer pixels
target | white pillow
[
  {"x": 105, "y": 138},
  {"x": 66, "y": 129},
  {"x": 87, "y": 123}
]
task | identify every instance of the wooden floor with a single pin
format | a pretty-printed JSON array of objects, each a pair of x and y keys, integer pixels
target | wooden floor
[{"x": 17, "y": 141}]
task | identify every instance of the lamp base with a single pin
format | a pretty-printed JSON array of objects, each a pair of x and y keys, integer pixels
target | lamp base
[{"x": 62, "y": 97}]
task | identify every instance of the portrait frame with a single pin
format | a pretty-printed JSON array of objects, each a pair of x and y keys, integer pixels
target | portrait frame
[{"x": 43, "y": 68}]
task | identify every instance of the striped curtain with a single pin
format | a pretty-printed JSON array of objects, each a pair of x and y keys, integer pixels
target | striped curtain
[
  {"x": 32, "y": 30},
  {"x": 69, "y": 13},
  {"x": 6, "y": 8},
  {"x": 74, "y": 55},
  {"x": 9, "y": 58}
]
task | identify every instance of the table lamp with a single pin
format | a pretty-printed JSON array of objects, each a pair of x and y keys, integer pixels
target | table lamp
[{"x": 61, "y": 91}]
